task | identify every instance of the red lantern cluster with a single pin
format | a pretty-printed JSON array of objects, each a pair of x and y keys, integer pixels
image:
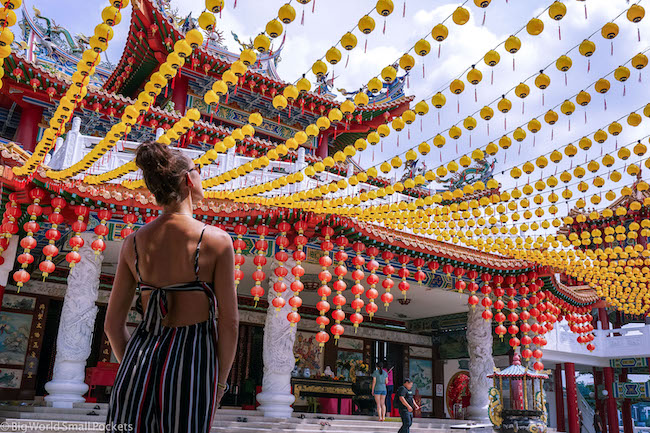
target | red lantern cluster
[
  {"x": 404, "y": 273},
  {"x": 460, "y": 284},
  {"x": 129, "y": 219},
  {"x": 262, "y": 247},
  {"x": 239, "y": 245},
  {"x": 9, "y": 225},
  {"x": 98, "y": 245},
  {"x": 419, "y": 274},
  {"x": 388, "y": 283},
  {"x": 76, "y": 242},
  {"x": 339, "y": 285},
  {"x": 486, "y": 302},
  {"x": 357, "y": 289},
  {"x": 28, "y": 243},
  {"x": 296, "y": 286},
  {"x": 280, "y": 271},
  {"x": 372, "y": 280},
  {"x": 53, "y": 235}
]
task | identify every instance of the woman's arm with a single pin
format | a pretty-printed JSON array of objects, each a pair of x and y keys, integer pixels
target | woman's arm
[
  {"x": 228, "y": 321},
  {"x": 120, "y": 301},
  {"x": 374, "y": 382}
]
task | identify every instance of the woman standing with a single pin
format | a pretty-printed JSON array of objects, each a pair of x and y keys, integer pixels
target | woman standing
[
  {"x": 379, "y": 381},
  {"x": 173, "y": 369}
]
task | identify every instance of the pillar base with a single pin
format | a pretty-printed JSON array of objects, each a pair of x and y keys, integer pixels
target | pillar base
[
  {"x": 64, "y": 393},
  {"x": 275, "y": 404},
  {"x": 478, "y": 413}
]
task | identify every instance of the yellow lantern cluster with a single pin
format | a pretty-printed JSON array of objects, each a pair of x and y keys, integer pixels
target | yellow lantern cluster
[
  {"x": 7, "y": 19},
  {"x": 111, "y": 16}
]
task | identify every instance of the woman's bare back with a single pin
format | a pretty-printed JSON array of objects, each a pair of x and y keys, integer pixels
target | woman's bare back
[{"x": 166, "y": 250}]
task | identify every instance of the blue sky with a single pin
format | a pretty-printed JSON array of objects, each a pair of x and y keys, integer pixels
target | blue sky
[{"x": 465, "y": 44}]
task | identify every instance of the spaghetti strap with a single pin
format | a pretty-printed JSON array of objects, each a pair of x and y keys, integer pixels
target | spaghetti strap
[
  {"x": 196, "y": 254},
  {"x": 137, "y": 268}
]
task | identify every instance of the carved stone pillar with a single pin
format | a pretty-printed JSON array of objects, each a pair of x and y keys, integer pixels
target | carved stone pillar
[
  {"x": 481, "y": 363},
  {"x": 74, "y": 339},
  {"x": 276, "y": 397}
]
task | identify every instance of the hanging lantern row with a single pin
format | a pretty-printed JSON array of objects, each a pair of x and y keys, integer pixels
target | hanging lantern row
[
  {"x": 77, "y": 91},
  {"x": 53, "y": 235},
  {"x": 298, "y": 272},
  {"x": 262, "y": 247},
  {"x": 280, "y": 271},
  {"x": 239, "y": 245},
  {"x": 28, "y": 242}
]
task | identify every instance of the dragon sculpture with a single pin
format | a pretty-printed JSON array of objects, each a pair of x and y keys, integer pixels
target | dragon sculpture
[
  {"x": 481, "y": 171},
  {"x": 412, "y": 169},
  {"x": 55, "y": 35}
]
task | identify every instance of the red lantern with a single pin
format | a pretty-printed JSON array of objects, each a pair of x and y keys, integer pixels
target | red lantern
[
  {"x": 404, "y": 273},
  {"x": 357, "y": 275},
  {"x": 260, "y": 260},
  {"x": 129, "y": 219},
  {"x": 28, "y": 243},
  {"x": 239, "y": 245},
  {"x": 372, "y": 280},
  {"x": 101, "y": 230},
  {"x": 339, "y": 300},
  {"x": 280, "y": 271},
  {"x": 298, "y": 271}
]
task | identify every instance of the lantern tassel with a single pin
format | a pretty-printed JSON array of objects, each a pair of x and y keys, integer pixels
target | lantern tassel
[
  {"x": 534, "y": 137},
  {"x": 347, "y": 60},
  {"x": 458, "y": 106},
  {"x": 559, "y": 32},
  {"x": 513, "y": 63},
  {"x": 588, "y": 65},
  {"x": 623, "y": 89},
  {"x": 585, "y": 10},
  {"x": 438, "y": 118},
  {"x": 585, "y": 117},
  {"x": 422, "y": 70},
  {"x": 611, "y": 49},
  {"x": 302, "y": 19},
  {"x": 313, "y": 6},
  {"x": 492, "y": 77},
  {"x": 408, "y": 82},
  {"x": 439, "y": 48},
  {"x": 542, "y": 99},
  {"x": 235, "y": 5},
  {"x": 373, "y": 154},
  {"x": 403, "y": 16},
  {"x": 365, "y": 48},
  {"x": 475, "y": 95},
  {"x": 569, "y": 124},
  {"x": 420, "y": 124},
  {"x": 409, "y": 133},
  {"x": 488, "y": 129},
  {"x": 398, "y": 141},
  {"x": 384, "y": 30},
  {"x": 484, "y": 15},
  {"x": 566, "y": 80},
  {"x": 605, "y": 103}
]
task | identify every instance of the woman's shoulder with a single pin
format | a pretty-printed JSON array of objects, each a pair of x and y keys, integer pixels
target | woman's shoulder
[{"x": 217, "y": 239}]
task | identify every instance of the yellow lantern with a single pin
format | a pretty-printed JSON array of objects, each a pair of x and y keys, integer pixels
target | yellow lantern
[
  {"x": 455, "y": 132},
  {"x": 469, "y": 123},
  {"x": 600, "y": 136},
  {"x": 519, "y": 134},
  {"x": 439, "y": 141},
  {"x": 587, "y": 48},
  {"x": 110, "y": 15},
  {"x": 583, "y": 98},
  {"x": 624, "y": 153},
  {"x": 361, "y": 99},
  {"x": 408, "y": 116},
  {"x": 323, "y": 123},
  {"x": 287, "y": 13},
  {"x": 261, "y": 42},
  {"x": 474, "y": 76},
  {"x": 615, "y": 128},
  {"x": 609, "y": 31},
  {"x": 512, "y": 44},
  {"x": 535, "y": 26},
  {"x": 585, "y": 143},
  {"x": 385, "y": 167},
  {"x": 438, "y": 100},
  {"x": 563, "y": 63},
  {"x": 486, "y": 113},
  {"x": 635, "y": 13},
  {"x": 639, "y": 61},
  {"x": 388, "y": 74},
  {"x": 348, "y": 41},
  {"x": 366, "y": 24},
  {"x": 424, "y": 148},
  {"x": 534, "y": 126},
  {"x": 504, "y": 104},
  {"x": 567, "y": 107},
  {"x": 398, "y": 124},
  {"x": 319, "y": 68},
  {"x": 303, "y": 85},
  {"x": 439, "y": 32},
  {"x": 570, "y": 151},
  {"x": 460, "y": 16},
  {"x": 375, "y": 85},
  {"x": 229, "y": 78},
  {"x": 333, "y": 55},
  {"x": 422, "y": 47},
  {"x": 557, "y": 10},
  {"x": 542, "y": 81},
  {"x": 640, "y": 149},
  {"x": 522, "y": 90},
  {"x": 274, "y": 28},
  {"x": 551, "y": 117},
  {"x": 421, "y": 108},
  {"x": 505, "y": 142},
  {"x": 622, "y": 73},
  {"x": 608, "y": 160},
  {"x": 384, "y": 7},
  {"x": 406, "y": 62},
  {"x": 491, "y": 58},
  {"x": 456, "y": 87},
  {"x": 335, "y": 115},
  {"x": 383, "y": 131}
]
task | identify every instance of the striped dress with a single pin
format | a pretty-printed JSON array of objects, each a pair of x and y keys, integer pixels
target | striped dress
[{"x": 167, "y": 380}]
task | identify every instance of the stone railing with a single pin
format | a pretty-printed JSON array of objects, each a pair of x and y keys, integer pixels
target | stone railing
[{"x": 609, "y": 343}]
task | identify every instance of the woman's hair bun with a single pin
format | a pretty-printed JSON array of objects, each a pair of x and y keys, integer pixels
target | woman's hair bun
[{"x": 163, "y": 170}]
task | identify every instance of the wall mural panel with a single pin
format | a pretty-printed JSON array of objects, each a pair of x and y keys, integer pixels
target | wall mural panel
[
  {"x": 10, "y": 378},
  {"x": 421, "y": 373},
  {"x": 14, "y": 335},
  {"x": 308, "y": 353},
  {"x": 18, "y": 302}
]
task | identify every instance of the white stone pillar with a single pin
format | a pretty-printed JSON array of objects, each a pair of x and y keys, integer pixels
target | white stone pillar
[
  {"x": 9, "y": 256},
  {"x": 481, "y": 363},
  {"x": 74, "y": 339},
  {"x": 276, "y": 397}
]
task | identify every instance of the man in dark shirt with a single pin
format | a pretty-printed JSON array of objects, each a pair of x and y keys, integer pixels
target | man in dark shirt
[{"x": 406, "y": 405}]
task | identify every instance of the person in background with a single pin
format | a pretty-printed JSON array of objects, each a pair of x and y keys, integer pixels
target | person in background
[
  {"x": 389, "y": 389},
  {"x": 379, "y": 380},
  {"x": 406, "y": 405}
]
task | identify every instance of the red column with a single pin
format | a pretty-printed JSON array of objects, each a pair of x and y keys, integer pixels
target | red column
[
  {"x": 602, "y": 316},
  {"x": 323, "y": 145},
  {"x": 626, "y": 409},
  {"x": 27, "y": 131},
  {"x": 179, "y": 93},
  {"x": 559, "y": 398},
  {"x": 571, "y": 397},
  {"x": 600, "y": 404},
  {"x": 612, "y": 412}
]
